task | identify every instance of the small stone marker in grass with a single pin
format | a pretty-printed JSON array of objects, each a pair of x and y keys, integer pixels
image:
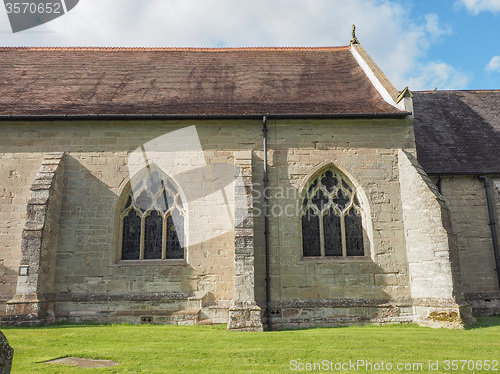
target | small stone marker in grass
[{"x": 83, "y": 362}]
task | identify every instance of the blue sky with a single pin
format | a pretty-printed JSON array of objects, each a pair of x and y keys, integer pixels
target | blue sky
[
  {"x": 471, "y": 39},
  {"x": 425, "y": 44}
]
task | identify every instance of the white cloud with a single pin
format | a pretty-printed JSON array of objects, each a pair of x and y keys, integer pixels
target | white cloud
[
  {"x": 494, "y": 64},
  {"x": 477, "y": 6},
  {"x": 438, "y": 75},
  {"x": 433, "y": 27},
  {"x": 385, "y": 28}
]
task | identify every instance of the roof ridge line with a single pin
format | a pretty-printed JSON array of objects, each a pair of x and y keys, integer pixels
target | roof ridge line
[
  {"x": 452, "y": 91},
  {"x": 180, "y": 49}
]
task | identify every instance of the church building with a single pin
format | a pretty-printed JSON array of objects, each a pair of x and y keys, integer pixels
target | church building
[{"x": 265, "y": 188}]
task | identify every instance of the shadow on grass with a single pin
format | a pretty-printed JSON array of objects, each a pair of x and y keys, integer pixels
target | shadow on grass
[
  {"x": 66, "y": 325},
  {"x": 483, "y": 322},
  {"x": 62, "y": 325},
  {"x": 358, "y": 326}
]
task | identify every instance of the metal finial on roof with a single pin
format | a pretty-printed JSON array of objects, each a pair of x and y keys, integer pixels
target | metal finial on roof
[{"x": 354, "y": 40}]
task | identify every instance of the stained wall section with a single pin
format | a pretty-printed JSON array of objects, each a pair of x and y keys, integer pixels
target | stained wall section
[
  {"x": 91, "y": 283},
  {"x": 465, "y": 195}
]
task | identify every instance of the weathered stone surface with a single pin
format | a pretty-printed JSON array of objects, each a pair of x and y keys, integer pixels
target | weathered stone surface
[
  {"x": 89, "y": 282},
  {"x": 84, "y": 362},
  {"x": 38, "y": 248},
  {"x": 466, "y": 198},
  {"x": 244, "y": 313},
  {"x": 432, "y": 252},
  {"x": 245, "y": 317},
  {"x": 6, "y": 355}
]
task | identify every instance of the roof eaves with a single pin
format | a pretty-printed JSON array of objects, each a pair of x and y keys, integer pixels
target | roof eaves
[{"x": 114, "y": 116}]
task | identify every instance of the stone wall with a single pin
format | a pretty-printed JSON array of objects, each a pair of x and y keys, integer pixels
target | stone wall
[
  {"x": 17, "y": 173},
  {"x": 91, "y": 283},
  {"x": 331, "y": 291},
  {"x": 466, "y": 198},
  {"x": 434, "y": 266},
  {"x": 37, "y": 264}
]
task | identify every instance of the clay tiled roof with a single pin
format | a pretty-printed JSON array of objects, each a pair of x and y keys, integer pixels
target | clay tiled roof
[
  {"x": 185, "y": 81},
  {"x": 458, "y": 132}
]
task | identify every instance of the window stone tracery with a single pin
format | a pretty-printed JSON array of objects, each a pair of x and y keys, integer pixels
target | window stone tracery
[
  {"x": 331, "y": 217},
  {"x": 153, "y": 220}
]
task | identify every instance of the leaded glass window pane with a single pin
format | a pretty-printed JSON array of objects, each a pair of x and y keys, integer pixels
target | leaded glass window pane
[
  {"x": 129, "y": 202},
  {"x": 131, "y": 238},
  {"x": 320, "y": 200},
  {"x": 341, "y": 199},
  {"x": 175, "y": 228},
  {"x": 153, "y": 230},
  {"x": 329, "y": 181},
  {"x": 310, "y": 235},
  {"x": 312, "y": 186},
  {"x": 354, "y": 234},
  {"x": 154, "y": 183},
  {"x": 143, "y": 201},
  {"x": 162, "y": 203},
  {"x": 333, "y": 234}
]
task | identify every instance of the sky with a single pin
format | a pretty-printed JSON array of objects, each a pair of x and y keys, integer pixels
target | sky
[{"x": 423, "y": 44}]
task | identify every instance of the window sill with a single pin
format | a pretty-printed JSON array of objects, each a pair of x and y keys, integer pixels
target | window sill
[
  {"x": 337, "y": 259},
  {"x": 173, "y": 262}
]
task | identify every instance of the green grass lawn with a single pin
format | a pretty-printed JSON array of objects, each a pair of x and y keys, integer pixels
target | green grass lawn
[{"x": 213, "y": 349}]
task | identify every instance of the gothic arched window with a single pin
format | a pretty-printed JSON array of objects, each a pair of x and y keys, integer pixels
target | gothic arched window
[
  {"x": 153, "y": 220},
  {"x": 331, "y": 217}
]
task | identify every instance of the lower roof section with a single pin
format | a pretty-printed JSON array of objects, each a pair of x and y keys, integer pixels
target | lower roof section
[{"x": 458, "y": 132}]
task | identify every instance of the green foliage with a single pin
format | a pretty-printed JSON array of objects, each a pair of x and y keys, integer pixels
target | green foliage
[{"x": 213, "y": 349}]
